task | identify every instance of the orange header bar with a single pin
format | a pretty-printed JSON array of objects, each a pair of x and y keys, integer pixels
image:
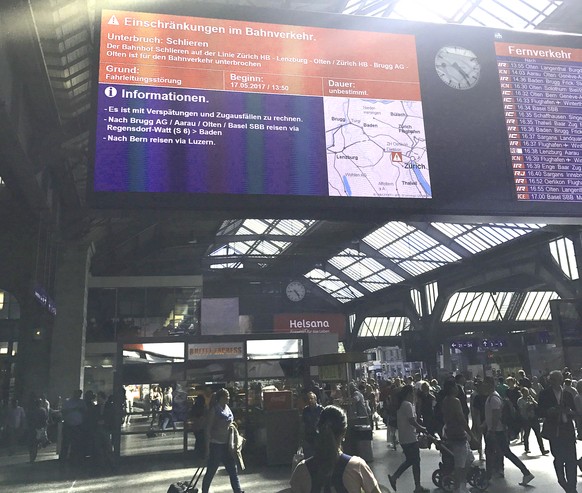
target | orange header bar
[
  {"x": 303, "y": 58},
  {"x": 532, "y": 51}
]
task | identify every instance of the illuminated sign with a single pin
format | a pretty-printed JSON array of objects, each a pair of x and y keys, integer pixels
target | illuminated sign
[
  {"x": 201, "y": 105},
  {"x": 230, "y": 350},
  {"x": 332, "y": 116},
  {"x": 542, "y": 100},
  {"x": 44, "y": 299},
  {"x": 311, "y": 323}
]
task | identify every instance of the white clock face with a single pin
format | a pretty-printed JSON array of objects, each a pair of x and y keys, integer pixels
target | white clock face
[
  {"x": 457, "y": 67},
  {"x": 295, "y": 291}
]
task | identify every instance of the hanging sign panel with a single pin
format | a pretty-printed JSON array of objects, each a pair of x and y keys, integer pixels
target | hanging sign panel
[
  {"x": 329, "y": 116},
  {"x": 542, "y": 101},
  {"x": 202, "y": 105}
]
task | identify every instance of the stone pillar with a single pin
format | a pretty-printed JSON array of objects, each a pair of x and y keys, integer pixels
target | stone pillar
[{"x": 68, "y": 337}]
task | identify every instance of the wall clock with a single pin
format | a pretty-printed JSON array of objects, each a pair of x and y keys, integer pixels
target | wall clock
[
  {"x": 457, "y": 67},
  {"x": 295, "y": 291}
]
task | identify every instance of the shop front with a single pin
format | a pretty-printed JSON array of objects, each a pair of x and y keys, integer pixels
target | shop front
[{"x": 159, "y": 380}]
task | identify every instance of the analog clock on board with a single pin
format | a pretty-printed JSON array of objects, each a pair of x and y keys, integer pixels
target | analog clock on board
[{"x": 457, "y": 67}]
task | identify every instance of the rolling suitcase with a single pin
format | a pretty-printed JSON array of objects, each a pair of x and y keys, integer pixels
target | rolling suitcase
[{"x": 185, "y": 486}]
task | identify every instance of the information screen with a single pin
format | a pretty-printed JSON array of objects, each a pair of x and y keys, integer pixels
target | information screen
[
  {"x": 245, "y": 112},
  {"x": 214, "y": 106},
  {"x": 542, "y": 100}
]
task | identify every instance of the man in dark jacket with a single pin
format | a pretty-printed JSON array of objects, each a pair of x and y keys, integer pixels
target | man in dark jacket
[
  {"x": 101, "y": 424},
  {"x": 310, "y": 419},
  {"x": 557, "y": 407},
  {"x": 462, "y": 394}
]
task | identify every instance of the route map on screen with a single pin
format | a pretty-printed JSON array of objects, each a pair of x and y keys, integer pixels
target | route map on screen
[{"x": 215, "y": 106}]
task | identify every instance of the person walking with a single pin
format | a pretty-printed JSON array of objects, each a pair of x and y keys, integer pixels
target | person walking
[
  {"x": 217, "y": 428},
  {"x": 425, "y": 408},
  {"x": 309, "y": 419},
  {"x": 478, "y": 416},
  {"x": 167, "y": 409},
  {"x": 456, "y": 432},
  {"x": 329, "y": 467},
  {"x": 156, "y": 398},
  {"x": 557, "y": 408},
  {"x": 37, "y": 419},
  {"x": 74, "y": 414},
  {"x": 496, "y": 439},
  {"x": 407, "y": 428},
  {"x": 101, "y": 420},
  {"x": 14, "y": 423},
  {"x": 528, "y": 412}
]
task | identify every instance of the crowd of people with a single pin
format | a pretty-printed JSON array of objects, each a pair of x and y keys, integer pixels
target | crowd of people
[
  {"x": 484, "y": 415},
  {"x": 87, "y": 422}
]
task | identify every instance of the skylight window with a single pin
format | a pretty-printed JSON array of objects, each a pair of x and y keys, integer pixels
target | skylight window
[
  {"x": 563, "y": 252},
  {"x": 409, "y": 248},
  {"x": 371, "y": 274},
  {"x": 517, "y": 14},
  {"x": 536, "y": 306},
  {"x": 256, "y": 238},
  {"x": 383, "y": 326},
  {"x": 476, "y": 307},
  {"x": 337, "y": 288},
  {"x": 480, "y": 237}
]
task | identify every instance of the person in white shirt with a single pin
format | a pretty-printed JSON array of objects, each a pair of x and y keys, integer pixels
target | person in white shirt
[
  {"x": 14, "y": 423},
  {"x": 407, "y": 428},
  {"x": 496, "y": 439}
]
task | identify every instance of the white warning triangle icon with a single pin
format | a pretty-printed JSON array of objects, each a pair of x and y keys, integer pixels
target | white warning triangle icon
[{"x": 113, "y": 21}]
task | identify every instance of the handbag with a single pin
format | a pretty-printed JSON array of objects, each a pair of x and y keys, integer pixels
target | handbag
[
  {"x": 40, "y": 435},
  {"x": 424, "y": 442},
  {"x": 297, "y": 458},
  {"x": 474, "y": 444}
]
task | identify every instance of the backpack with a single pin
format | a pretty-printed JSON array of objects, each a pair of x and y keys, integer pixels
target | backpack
[
  {"x": 510, "y": 418},
  {"x": 336, "y": 478}
]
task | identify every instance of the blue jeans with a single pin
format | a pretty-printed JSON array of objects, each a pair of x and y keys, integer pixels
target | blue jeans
[{"x": 219, "y": 454}]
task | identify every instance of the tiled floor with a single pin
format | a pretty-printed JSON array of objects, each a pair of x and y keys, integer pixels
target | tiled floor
[{"x": 154, "y": 473}]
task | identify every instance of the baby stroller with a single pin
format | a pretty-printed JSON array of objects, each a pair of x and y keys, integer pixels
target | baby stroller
[{"x": 443, "y": 477}]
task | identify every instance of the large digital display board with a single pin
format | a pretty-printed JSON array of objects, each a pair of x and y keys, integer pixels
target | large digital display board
[
  {"x": 542, "y": 101},
  {"x": 245, "y": 111},
  {"x": 204, "y": 105}
]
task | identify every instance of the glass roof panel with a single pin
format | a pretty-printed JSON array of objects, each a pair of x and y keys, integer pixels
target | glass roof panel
[
  {"x": 563, "y": 252},
  {"x": 337, "y": 288},
  {"x": 253, "y": 226},
  {"x": 262, "y": 229},
  {"x": 517, "y": 14},
  {"x": 383, "y": 326},
  {"x": 536, "y": 306},
  {"x": 468, "y": 307},
  {"x": 291, "y": 226},
  {"x": 480, "y": 237},
  {"x": 229, "y": 265},
  {"x": 418, "y": 268}
]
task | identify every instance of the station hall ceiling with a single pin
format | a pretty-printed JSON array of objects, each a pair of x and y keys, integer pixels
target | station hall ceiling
[{"x": 344, "y": 261}]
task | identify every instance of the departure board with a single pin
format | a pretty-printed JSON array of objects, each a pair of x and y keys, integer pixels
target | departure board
[{"x": 541, "y": 88}]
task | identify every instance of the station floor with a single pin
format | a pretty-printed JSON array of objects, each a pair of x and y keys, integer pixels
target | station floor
[{"x": 154, "y": 472}]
